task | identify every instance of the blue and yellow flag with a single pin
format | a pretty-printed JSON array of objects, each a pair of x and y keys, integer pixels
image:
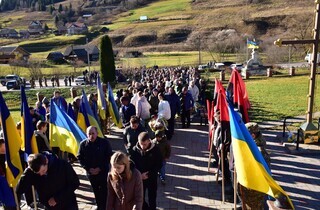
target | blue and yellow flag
[
  {"x": 29, "y": 143},
  {"x": 64, "y": 131},
  {"x": 252, "y": 170},
  {"x": 252, "y": 44},
  {"x": 86, "y": 117},
  {"x": 6, "y": 194},
  {"x": 12, "y": 143},
  {"x": 70, "y": 112},
  {"x": 102, "y": 104},
  {"x": 113, "y": 108}
]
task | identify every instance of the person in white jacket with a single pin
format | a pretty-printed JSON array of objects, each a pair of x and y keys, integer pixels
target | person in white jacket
[
  {"x": 163, "y": 108},
  {"x": 194, "y": 90},
  {"x": 143, "y": 108}
]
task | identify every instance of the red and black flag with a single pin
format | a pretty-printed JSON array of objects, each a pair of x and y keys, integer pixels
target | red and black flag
[{"x": 238, "y": 94}]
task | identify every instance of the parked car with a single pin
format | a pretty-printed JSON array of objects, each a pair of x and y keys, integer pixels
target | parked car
[
  {"x": 80, "y": 80},
  {"x": 3, "y": 80},
  {"x": 13, "y": 84}
]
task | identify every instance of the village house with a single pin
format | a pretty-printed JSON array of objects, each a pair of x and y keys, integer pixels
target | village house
[
  {"x": 9, "y": 33},
  {"x": 13, "y": 53},
  {"x": 36, "y": 28},
  {"x": 80, "y": 52},
  {"x": 76, "y": 28}
]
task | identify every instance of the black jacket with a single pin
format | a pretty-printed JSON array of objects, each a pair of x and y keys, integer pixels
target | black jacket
[
  {"x": 130, "y": 136},
  {"x": 149, "y": 160},
  {"x": 60, "y": 183},
  {"x": 95, "y": 154}
]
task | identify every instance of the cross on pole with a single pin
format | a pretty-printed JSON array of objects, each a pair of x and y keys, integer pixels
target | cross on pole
[{"x": 315, "y": 43}]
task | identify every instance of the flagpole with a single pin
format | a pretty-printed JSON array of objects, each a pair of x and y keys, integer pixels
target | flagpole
[
  {"x": 16, "y": 198},
  {"x": 34, "y": 198},
  {"x": 210, "y": 145},
  {"x": 235, "y": 186},
  {"x": 222, "y": 170}
]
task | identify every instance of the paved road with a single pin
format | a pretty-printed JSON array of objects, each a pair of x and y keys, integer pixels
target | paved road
[{"x": 191, "y": 186}]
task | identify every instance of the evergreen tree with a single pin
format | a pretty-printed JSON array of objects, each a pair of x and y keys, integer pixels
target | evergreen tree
[{"x": 107, "y": 66}]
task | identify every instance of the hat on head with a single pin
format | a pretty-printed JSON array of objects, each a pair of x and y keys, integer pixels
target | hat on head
[{"x": 155, "y": 89}]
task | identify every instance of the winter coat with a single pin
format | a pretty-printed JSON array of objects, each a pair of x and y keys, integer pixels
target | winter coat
[
  {"x": 147, "y": 161},
  {"x": 60, "y": 183},
  {"x": 42, "y": 141},
  {"x": 125, "y": 194},
  {"x": 127, "y": 112},
  {"x": 143, "y": 108},
  {"x": 95, "y": 154},
  {"x": 154, "y": 101},
  {"x": 174, "y": 102},
  {"x": 194, "y": 92},
  {"x": 186, "y": 101},
  {"x": 164, "y": 147},
  {"x": 130, "y": 136},
  {"x": 164, "y": 110}
]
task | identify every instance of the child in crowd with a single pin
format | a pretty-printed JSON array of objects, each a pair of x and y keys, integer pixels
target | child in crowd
[{"x": 165, "y": 149}]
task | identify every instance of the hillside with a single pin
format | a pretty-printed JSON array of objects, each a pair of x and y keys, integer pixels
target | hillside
[{"x": 179, "y": 25}]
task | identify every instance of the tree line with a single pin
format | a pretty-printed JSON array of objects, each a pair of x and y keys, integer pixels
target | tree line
[{"x": 35, "y": 5}]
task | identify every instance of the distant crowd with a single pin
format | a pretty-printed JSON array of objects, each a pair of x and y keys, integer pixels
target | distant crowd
[{"x": 148, "y": 107}]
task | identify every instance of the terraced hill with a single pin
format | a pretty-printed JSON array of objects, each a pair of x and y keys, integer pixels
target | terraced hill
[{"x": 181, "y": 25}]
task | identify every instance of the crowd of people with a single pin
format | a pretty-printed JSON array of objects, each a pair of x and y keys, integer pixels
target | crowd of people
[{"x": 148, "y": 107}]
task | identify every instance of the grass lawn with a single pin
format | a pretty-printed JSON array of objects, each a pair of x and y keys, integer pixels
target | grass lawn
[{"x": 280, "y": 96}]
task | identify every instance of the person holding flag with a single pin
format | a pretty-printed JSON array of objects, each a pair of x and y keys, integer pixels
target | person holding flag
[
  {"x": 251, "y": 168},
  {"x": 54, "y": 179}
]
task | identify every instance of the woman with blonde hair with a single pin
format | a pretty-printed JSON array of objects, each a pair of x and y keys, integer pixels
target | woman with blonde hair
[{"x": 125, "y": 188}]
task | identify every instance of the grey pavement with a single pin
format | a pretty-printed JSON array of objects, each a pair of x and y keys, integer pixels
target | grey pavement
[{"x": 189, "y": 185}]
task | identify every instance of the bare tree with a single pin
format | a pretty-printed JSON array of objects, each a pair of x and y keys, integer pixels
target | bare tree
[{"x": 34, "y": 69}]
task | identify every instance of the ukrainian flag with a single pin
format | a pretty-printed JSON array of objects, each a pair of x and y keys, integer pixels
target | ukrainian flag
[
  {"x": 252, "y": 170},
  {"x": 252, "y": 44},
  {"x": 113, "y": 108},
  {"x": 102, "y": 104},
  {"x": 64, "y": 131},
  {"x": 86, "y": 117},
  {"x": 6, "y": 194},
  {"x": 29, "y": 143},
  {"x": 12, "y": 143}
]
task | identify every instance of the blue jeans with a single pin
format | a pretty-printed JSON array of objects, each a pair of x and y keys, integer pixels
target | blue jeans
[{"x": 163, "y": 170}]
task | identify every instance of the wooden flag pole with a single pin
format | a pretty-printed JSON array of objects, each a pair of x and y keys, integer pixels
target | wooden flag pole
[
  {"x": 210, "y": 153},
  {"x": 222, "y": 170},
  {"x": 15, "y": 198},
  {"x": 34, "y": 198},
  {"x": 235, "y": 186},
  {"x": 217, "y": 173}
]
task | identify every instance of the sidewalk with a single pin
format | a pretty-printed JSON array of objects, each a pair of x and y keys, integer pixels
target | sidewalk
[{"x": 189, "y": 185}]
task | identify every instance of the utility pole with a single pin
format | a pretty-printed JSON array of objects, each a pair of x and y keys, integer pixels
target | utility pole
[
  {"x": 88, "y": 56},
  {"x": 199, "y": 48},
  {"x": 309, "y": 126}
]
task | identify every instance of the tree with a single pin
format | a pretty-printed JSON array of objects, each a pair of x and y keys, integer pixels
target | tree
[{"x": 107, "y": 67}]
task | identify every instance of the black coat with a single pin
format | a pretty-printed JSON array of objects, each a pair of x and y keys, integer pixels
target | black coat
[
  {"x": 60, "y": 183},
  {"x": 149, "y": 160},
  {"x": 95, "y": 154}
]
